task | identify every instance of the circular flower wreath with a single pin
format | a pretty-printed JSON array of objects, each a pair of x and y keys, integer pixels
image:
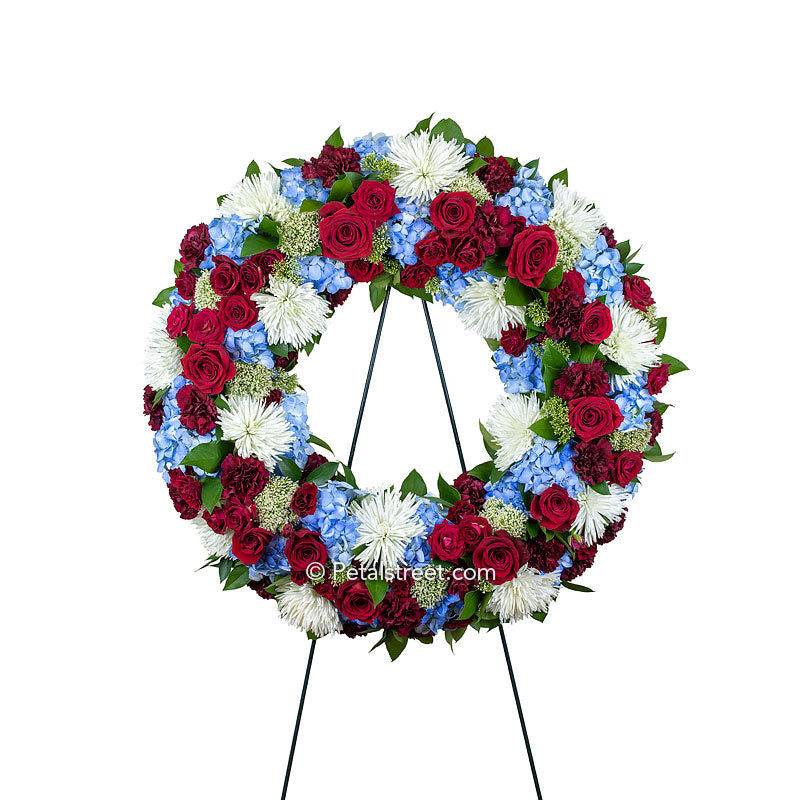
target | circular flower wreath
[{"x": 527, "y": 264}]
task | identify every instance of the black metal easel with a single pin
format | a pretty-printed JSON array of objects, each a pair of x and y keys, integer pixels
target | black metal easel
[{"x": 463, "y": 469}]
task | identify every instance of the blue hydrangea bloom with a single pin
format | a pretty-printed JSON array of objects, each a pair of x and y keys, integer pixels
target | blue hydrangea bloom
[
  {"x": 519, "y": 373},
  {"x": 227, "y": 235},
  {"x": 406, "y": 229},
  {"x": 544, "y": 465},
  {"x": 470, "y": 149},
  {"x": 449, "y": 607},
  {"x": 429, "y": 513},
  {"x": 529, "y": 197},
  {"x": 417, "y": 553},
  {"x": 175, "y": 299},
  {"x": 507, "y": 491},
  {"x": 295, "y": 188},
  {"x": 295, "y": 407},
  {"x": 326, "y": 274},
  {"x": 453, "y": 281},
  {"x": 250, "y": 345},
  {"x": 634, "y": 401},
  {"x": 338, "y": 529},
  {"x": 378, "y": 144},
  {"x": 602, "y": 270},
  {"x": 273, "y": 561}
]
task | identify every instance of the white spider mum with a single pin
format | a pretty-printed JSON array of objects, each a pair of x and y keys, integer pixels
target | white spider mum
[
  {"x": 386, "y": 525},
  {"x": 529, "y": 592},
  {"x": 596, "y": 510},
  {"x": 162, "y": 357},
  {"x": 302, "y": 607},
  {"x": 426, "y": 165},
  {"x": 256, "y": 429},
  {"x": 255, "y": 197},
  {"x": 482, "y": 308},
  {"x": 216, "y": 544},
  {"x": 290, "y": 313},
  {"x": 574, "y": 214},
  {"x": 630, "y": 343},
  {"x": 509, "y": 424}
]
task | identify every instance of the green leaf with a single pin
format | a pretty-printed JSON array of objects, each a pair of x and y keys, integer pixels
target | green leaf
[
  {"x": 208, "y": 455},
  {"x": 277, "y": 583},
  {"x": 471, "y": 600},
  {"x": 159, "y": 394},
  {"x": 534, "y": 165},
  {"x": 211, "y": 493},
  {"x": 413, "y": 484},
  {"x": 482, "y": 471},
  {"x": 475, "y": 164},
  {"x": 280, "y": 349},
  {"x": 319, "y": 442},
  {"x": 543, "y": 428},
  {"x": 377, "y": 589},
  {"x": 183, "y": 342},
  {"x": 349, "y": 477},
  {"x": 576, "y": 587},
  {"x": 269, "y": 227},
  {"x": 423, "y": 125},
  {"x": 654, "y": 454},
  {"x": 517, "y": 294},
  {"x": 612, "y": 368},
  {"x": 553, "y": 358},
  {"x": 488, "y": 442},
  {"x": 449, "y": 494},
  {"x": 448, "y": 129},
  {"x": 323, "y": 473},
  {"x": 177, "y": 267},
  {"x": 562, "y": 176},
  {"x": 252, "y": 169},
  {"x": 289, "y": 469},
  {"x": 485, "y": 147},
  {"x": 493, "y": 344},
  {"x": 632, "y": 268},
  {"x": 624, "y": 249},
  {"x": 256, "y": 243},
  {"x": 239, "y": 577},
  {"x": 342, "y": 189},
  {"x": 311, "y": 205},
  {"x": 602, "y": 488},
  {"x": 221, "y": 402},
  {"x": 380, "y": 641},
  {"x": 163, "y": 296},
  {"x": 661, "y": 327},
  {"x": 675, "y": 365},
  {"x": 552, "y": 279},
  {"x": 395, "y": 645},
  {"x": 588, "y": 352},
  {"x": 224, "y": 568},
  {"x": 294, "y": 162},
  {"x": 377, "y": 295},
  {"x": 335, "y": 139},
  {"x": 532, "y": 528}
]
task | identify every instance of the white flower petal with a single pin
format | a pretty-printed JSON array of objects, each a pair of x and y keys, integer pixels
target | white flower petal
[
  {"x": 257, "y": 429},
  {"x": 216, "y": 544},
  {"x": 426, "y": 165},
  {"x": 630, "y": 343},
  {"x": 302, "y": 607},
  {"x": 574, "y": 214},
  {"x": 596, "y": 511},
  {"x": 509, "y": 425},
  {"x": 162, "y": 357},
  {"x": 291, "y": 314},
  {"x": 482, "y": 308},
  {"x": 529, "y": 592},
  {"x": 256, "y": 196}
]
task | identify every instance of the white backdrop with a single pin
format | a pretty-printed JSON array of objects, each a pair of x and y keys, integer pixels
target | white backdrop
[{"x": 128, "y": 675}]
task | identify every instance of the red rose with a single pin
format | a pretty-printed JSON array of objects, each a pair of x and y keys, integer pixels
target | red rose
[
  {"x": 304, "y": 548},
  {"x": 263, "y": 262},
  {"x": 499, "y": 556},
  {"x": 249, "y": 545},
  {"x": 178, "y": 319},
  {"x": 304, "y": 501},
  {"x": 251, "y": 278},
  {"x": 314, "y": 460},
  {"x": 240, "y": 516},
  {"x": 582, "y": 380},
  {"x": 375, "y": 200},
  {"x": 332, "y": 162},
  {"x": 185, "y": 283},
  {"x": 459, "y": 509},
  {"x": 475, "y": 530},
  {"x": 459, "y": 584},
  {"x": 206, "y": 327},
  {"x": 466, "y": 252},
  {"x": 331, "y": 208},
  {"x": 514, "y": 340},
  {"x": 497, "y": 176},
  {"x": 592, "y": 417},
  {"x": 447, "y": 542},
  {"x": 595, "y": 324},
  {"x": 657, "y": 378},
  {"x": 193, "y": 247},
  {"x": 215, "y": 519},
  {"x": 637, "y": 292},
  {"x": 198, "y": 412},
  {"x": 355, "y": 602},
  {"x": 242, "y": 478},
  {"x": 208, "y": 367},
  {"x": 554, "y": 509},
  {"x": 238, "y": 312},
  {"x": 533, "y": 254},
  {"x": 453, "y": 211},
  {"x": 432, "y": 250},
  {"x": 345, "y": 236},
  {"x": 416, "y": 275},
  {"x": 224, "y": 277},
  {"x": 627, "y": 465},
  {"x": 362, "y": 271}
]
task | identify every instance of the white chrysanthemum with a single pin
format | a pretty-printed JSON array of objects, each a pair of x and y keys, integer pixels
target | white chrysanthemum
[
  {"x": 482, "y": 308},
  {"x": 509, "y": 424},
  {"x": 255, "y": 197},
  {"x": 574, "y": 214},
  {"x": 387, "y": 525},
  {"x": 291, "y": 314},
  {"x": 256, "y": 429},
  {"x": 216, "y": 544},
  {"x": 596, "y": 510},
  {"x": 162, "y": 357},
  {"x": 630, "y": 343},
  {"x": 302, "y": 607},
  {"x": 425, "y": 164},
  {"x": 529, "y": 592}
]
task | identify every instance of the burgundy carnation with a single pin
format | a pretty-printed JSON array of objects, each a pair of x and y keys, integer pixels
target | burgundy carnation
[
  {"x": 533, "y": 254},
  {"x": 304, "y": 501},
  {"x": 415, "y": 276},
  {"x": 466, "y": 252},
  {"x": 627, "y": 465},
  {"x": 565, "y": 307},
  {"x": 240, "y": 516},
  {"x": 592, "y": 417},
  {"x": 657, "y": 378},
  {"x": 224, "y": 277},
  {"x": 656, "y": 425},
  {"x": 475, "y": 530},
  {"x": 399, "y": 610},
  {"x": 497, "y": 176},
  {"x": 332, "y": 161},
  {"x": 611, "y": 531},
  {"x": 470, "y": 488},
  {"x": 198, "y": 412},
  {"x": 461, "y": 509},
  {"x": 554, "y": 509},
  {"x": 185, "y": 283},
  {"x": 432, "y": 250},
  {"x": 582, "y": 380},
  {"x": 248, "y": 546},
  {"x": 337, "y": 298},
  {"x": 545, "y": 555},
  {"x": 304, "y": 548},
  {"x": 595, "y": 325},
  {"x": 453, "y": 211},
  {"x": 345, "y": 236},
  {"x": 286, "y": 362},
  {"x": 500, "y": 556},
  {"x": 374, "y": 200},
  {"x": 178, "y": 319},
  {"x": 355, "y": 602},
  {"x": 206, "y": 327},
  {"x": 447, "y": 542},
  {"x": 153, "y": 409},
  {"x": 362, "y": 271},
  {"x": 185, "y": 491},
  {"x": 459, "y": 584},
  {"x": 193, "y": 247},
  {"x": 582, "y": 559},
  {"x": 208, "y": 367},
  {"x": 496, "y": 227},
  {"x": 637, "y": 292},
  {"x": 242, "y": 478},
  {"x": 593, "y": 461},
  {"x": 608, "y": 234},
  {"x": 238, "y": 312},
  {"x": 514, "y": 340}
]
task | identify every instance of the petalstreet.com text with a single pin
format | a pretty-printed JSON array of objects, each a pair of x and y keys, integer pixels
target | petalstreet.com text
[{"x": 317, "y": 571}]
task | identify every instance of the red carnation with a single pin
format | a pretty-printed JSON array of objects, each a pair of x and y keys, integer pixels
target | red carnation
[
  {"x": 248, "y": 546},
  {"x": 459, "y": 584},
  {"x": 198, "y": 412},
  {"x": 533, "y": 254},
  {"x": 362, "y": 271},
  {"x": 497, "y": 176},
  {"x": 637, "y": 292},
  {"x": 627, "y": 465},
  {"x": 432, "y": 250},
  {"x": 608, "y": 234},
  {"x": 611, "y": 531},
  {"x": 178, "y": 319},
  {"x": 337, "y": 298},
  {"x": 304, "y": 548},
  {"x": 495, "y": 226},
  {"x": 355, "y": 602},
  {"x": 592, "y": 417},
  {"x": 545, "y": 555},
  {"x": 242, "y": 478},
  {"x": 595, "y": 325},
  {"x": 447, "y": 542},
  {"x": 582, "y": 559},
  {"x": 224, "y": 277},
  {"x": 345, "y": 236},
  {"x": 332, "y": 162},
  {"x": 152, "y": 409},
  {"x": 185, "y": 492},
  {"x": 399, "y": 610},
  {"x": 415, "y": 276},
  {"x": 374, "y": 200},
  {"x": 514, "y": 340},
  {"x": 565, "y": 307},
  {"x": 193, "y": 247},
  {"x": 656, "y": 425},
  {"x": 593, "y": 460},
  {"x": 238, "y": 312},
  {"x": 657, "y": 378},
  {"x": 470, "y": 488},
  {"x": 206, "y": 327},
  {"x": 264, "y": 263},
  {"x": 499, "y": 556},
  {"x": 304, "y": 501},
  {"x": 554, "y": 509},
  {"x": 208, "y": 367},
  {"x": 582, "y": 380},
  {"x": 314, "y": 460},
  {"x": 453, "y": 211}
]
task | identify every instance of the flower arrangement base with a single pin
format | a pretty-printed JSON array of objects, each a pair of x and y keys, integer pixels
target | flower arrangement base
[{"x": 457, "y": 440}]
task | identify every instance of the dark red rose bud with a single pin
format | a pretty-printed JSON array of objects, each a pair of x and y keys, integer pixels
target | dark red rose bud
[
  {"x": 592, "y": 417},
  {"x": 178, "y": 319},
  {"x": 264, "y": 263},
  {"x": 533, "y": 254},
  {"x": 475, "y": 530},
  {"x": 514, "y": 340},
  {"x": 595, "y": 325},
  {"x": 627, "y": 465},
  {"x": 304, "y": 501},
  {"x": 185, "y": 283},
  {"x": 215, "y": 519},
  {"x": 637, "y": 292},
  {"x": 238, "y": 312},
  {"x": 329, "y": 209},
  {"x": 466, "y": 252},
  {"x": 362, "y": 271},
  {"x": 224, "y": 277},
  {"x": 447, "y": 542},
  {"x": 248, "y": 546},
  {"x": 251, "y": 279},
  {"x": 416, "y": 275},
  {"x": 314, "y": 460},
  {"x": 554, "y": 509},
  {"x": 458, "y": 584},
  {"x": 453, "y": 211},
  {"x": 497, "y": 176},
  {"x": 240, "y": 516},
  {"x": 657, "y": 378},
  {"x": 432, "y": 250},
  {"x": 375, "y": 200},
  {"x": 193, "y": 247},
  {"x": 355, "y": 602},
  {"x": 206, "y": 327}
]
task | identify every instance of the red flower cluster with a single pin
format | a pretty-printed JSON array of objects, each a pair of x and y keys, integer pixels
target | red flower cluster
[
  {"x": 332, "y": 162},
  {"x": 554, "y": 509},
  {"x": 497, "y": 176},
  {"x": 198, "y": 412},
  {"x": 185, "y": 492}
]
